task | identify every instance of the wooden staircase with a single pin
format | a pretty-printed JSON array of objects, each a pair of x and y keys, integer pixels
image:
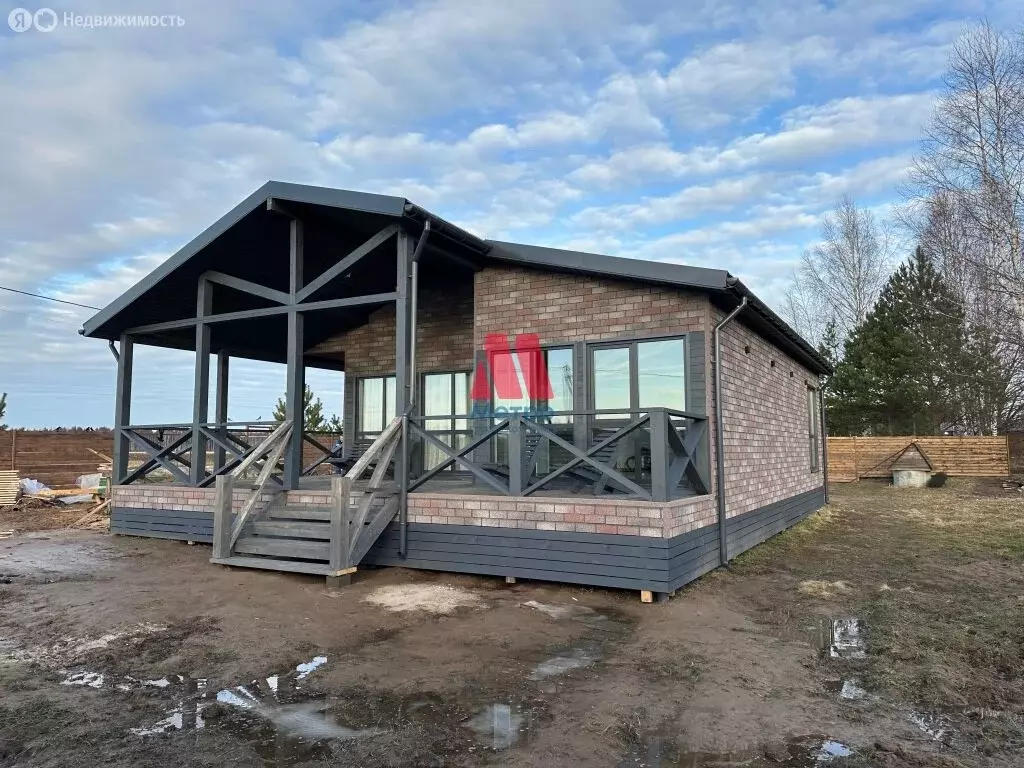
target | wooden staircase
[{"x": 328, "y": 540}]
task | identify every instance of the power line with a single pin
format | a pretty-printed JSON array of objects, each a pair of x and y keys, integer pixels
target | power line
[{"x": 48, "y": 298}]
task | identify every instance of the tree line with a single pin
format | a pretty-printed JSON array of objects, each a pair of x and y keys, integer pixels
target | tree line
[{"x": 935, "y": 345}]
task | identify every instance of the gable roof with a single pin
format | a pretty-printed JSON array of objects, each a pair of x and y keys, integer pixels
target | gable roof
[{"x": 371, "y": 212}]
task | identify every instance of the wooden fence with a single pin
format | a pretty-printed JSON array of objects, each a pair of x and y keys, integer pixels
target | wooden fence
[
  {"x": 850, "y": 458},
  {"x": 54, "y": 457},
  {"x": 58, "y": 457}
]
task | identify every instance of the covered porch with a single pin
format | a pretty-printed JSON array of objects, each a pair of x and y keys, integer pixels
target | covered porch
[{"x": 275, "y": 280}]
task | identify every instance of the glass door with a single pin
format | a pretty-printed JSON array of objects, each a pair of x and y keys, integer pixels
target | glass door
[{"x": 445, "y": 397}]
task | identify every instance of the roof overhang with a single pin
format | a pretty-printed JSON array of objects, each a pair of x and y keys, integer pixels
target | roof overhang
[{"x": 251, "y": 242}]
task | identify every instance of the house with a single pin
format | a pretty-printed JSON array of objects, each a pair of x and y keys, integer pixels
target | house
[{"x": 524, "y": 411}]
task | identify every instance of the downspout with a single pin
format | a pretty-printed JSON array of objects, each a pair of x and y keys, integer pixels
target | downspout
[
  {"x": 403, "y": 507},
  {"x": 824, "y": 437},
  {"x": 723, "y": 544}
]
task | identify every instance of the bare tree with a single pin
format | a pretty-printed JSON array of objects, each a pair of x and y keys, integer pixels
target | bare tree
[
  {"x": 843, "y": 274},
  {"x": 804, "y": 309},
  {"x": 966, "y": 196}
]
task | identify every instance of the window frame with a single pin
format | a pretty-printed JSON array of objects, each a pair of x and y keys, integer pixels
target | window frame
[
  {"x": 814, "y": 428},
  {"x": 360, "y": 432},
  {"x": 632, "y": 344},
  {"x": 452, "y": 431}
]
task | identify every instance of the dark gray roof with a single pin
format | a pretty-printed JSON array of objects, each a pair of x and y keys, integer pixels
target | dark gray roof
[{"x": 364, "y": 213}]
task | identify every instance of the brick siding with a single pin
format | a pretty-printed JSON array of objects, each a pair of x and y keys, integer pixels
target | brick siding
[
  {"x": 767, "y": 452},
  {"x": 630, "y": 518},
  {"x": 565, "y": 308}
]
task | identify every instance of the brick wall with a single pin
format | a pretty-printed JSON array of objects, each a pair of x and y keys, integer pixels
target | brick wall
[
  {"x": 564, "y": 307},
  {"x": 444, "y": 335},
  {"x": 630, "y": 518},
  {"x": 767, "y": 453},
  {"x": 176, "y": 497}
]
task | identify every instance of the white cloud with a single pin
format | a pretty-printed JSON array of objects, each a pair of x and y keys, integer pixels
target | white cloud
[{"x": 715, "y": 133}]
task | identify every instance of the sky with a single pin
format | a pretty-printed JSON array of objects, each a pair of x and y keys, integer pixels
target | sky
[{"x": 709, "y": 133}]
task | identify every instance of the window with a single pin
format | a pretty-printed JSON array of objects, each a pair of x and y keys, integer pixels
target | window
[
  {"x": 558, "y": 364},
  {"x": 814, "y": 427},
  {"x": 375, "y": 405},
  {"x": 637, "y": 375},
  {"x": 532, "y": 399},
  {"x": 445, "y": 394}
]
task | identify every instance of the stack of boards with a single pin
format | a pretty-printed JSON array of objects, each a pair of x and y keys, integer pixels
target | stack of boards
[{"x": 8, "y": 487}]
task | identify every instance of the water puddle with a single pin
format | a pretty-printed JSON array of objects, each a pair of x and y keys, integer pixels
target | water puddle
[
  {"x": 802, "y": 752},
  {"x": 577, "y": 658},
  {"x": 501, "y": 726},
  {"x": 304, "y": 722},
  {"x": 848, "y": 690},
  {"x": 841, "y": 638}
]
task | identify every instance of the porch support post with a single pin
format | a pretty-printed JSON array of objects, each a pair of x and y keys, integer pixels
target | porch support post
[
  {"x": 515, "y": 454},
  {"x": 296, "y": 365},
  {"x": 659, "y": 455},
  {"x": 403, "y": 379},
  {"x": 201, "y": 388},
  {"x": 123, "y": 408},
  {"x": 221, "y": 415}
]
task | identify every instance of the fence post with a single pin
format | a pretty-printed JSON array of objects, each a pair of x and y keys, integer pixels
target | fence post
[
  {"x": 659, "y": 454},
  {"x": 341, "y": 534},
  {"x": 222, "y": 517},
  {"x": 515, "y": 454}
]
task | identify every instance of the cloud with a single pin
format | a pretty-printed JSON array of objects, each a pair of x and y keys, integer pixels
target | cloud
[{"x": 715, "y": 133}]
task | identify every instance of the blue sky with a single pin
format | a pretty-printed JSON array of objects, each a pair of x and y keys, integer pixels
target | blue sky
[{"x": 709, "y": 133}]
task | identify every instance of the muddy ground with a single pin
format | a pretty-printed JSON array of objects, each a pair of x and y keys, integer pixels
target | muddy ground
[{"x": 887, "y": 630}]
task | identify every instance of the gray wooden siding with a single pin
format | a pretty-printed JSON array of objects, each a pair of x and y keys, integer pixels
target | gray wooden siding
[
  {"x": 595, "y": 559},
  {"x": 162, "y": 523}
]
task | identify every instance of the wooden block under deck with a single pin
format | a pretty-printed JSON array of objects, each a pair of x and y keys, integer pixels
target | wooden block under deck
[
  {"x": 343, "y": 572},
  {"x": 510, "y": 579},
  {"x": 646, "y": 596}
]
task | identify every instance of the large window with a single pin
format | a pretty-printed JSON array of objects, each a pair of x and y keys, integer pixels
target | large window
[
  {"x": 445, "y": 394},
  {"x": 375, "y": 405},
  {"x": 814, "y": 427},
  {"x": 528, "y": 387},
  {"x": 637, "y": 375}
]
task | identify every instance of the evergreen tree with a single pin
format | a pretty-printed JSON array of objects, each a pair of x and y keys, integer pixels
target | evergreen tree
[
  {"x": 902, "y": 367},
  {"x": 314, "y": 411}
]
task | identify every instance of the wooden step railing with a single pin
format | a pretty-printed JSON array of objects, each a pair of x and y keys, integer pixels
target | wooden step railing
[{"x": 358, "y": 514}]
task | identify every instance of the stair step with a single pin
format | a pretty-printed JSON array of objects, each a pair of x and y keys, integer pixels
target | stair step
[
  {"x": 259, "y": 545},
  {"x": 269, "y": 564},
  {"x": 299, "y": 513},
  {"x": 313, "y": 530}
]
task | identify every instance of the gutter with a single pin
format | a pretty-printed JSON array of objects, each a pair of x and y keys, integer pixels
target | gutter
[
  {"x": 723, "y": 544},
  {"x": 403, "y": 506}
]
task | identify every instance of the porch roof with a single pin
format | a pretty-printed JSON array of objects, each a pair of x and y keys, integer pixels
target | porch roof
[{"x": 251, "y": 242}]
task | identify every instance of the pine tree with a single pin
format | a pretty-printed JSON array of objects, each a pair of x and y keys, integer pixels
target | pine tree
[
  {"x": 901, "y": 366},
  {"x": 313, "y": 408}
]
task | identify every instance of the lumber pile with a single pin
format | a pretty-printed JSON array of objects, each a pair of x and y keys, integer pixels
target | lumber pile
[{"x": 8, "y": 487}]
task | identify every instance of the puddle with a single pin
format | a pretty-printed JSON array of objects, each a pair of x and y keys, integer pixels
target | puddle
[
  {"x": 841, "y": 638},
  {"x": 500, "y": 726},
  {"x": 562, "y": 611},
  {"x": 801, "y": 752},
  {"x": 305, "y": 669},
  {"x": 35, "y": 555},
  {"x": 848, "y": 690},
  {"x": 577, "y": 658}
]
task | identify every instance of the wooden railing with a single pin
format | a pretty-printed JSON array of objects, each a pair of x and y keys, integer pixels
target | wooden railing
[{"x": 656, "y": 454}]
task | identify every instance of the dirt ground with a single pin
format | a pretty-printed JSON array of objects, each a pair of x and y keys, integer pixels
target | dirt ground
[{"x": 886, "y": 630}]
